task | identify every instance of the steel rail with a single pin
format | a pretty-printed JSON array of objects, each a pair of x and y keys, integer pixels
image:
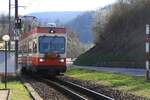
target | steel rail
[
  {"x": 62, "y": 89},
  {"x": 90, "y": 93},
  {"x": 72, "y": 90},
  {"x": 66, "y": 91}
]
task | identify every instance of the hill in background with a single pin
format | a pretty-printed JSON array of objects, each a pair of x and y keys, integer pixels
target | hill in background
[{"x": 61, "y": 17}]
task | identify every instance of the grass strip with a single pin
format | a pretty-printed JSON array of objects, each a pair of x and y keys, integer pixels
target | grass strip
[
  {"x": 135, "y": 85},
  {"x": 18, "y": 91}
]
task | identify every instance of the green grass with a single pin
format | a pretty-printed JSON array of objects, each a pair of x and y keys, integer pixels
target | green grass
[
  {"x": 18, "y": 91},
  {"x": 135, "y": 85}
]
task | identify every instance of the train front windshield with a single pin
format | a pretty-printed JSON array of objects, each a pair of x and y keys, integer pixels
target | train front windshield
[{"x": 51, "y": 44}]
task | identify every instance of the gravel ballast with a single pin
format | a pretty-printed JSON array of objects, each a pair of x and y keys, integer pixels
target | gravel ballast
[{"x": 45, "y": 91}]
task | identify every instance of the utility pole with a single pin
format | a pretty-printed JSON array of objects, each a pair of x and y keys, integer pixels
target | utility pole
[
  {"x": 9, "y": 29},
  {"x": 5, "y": 64},
  {"x": 16, "y": 35},
  {"x": 147, "y": 51},
  {"x": 16, "y": 9},
  {"x": 9, "y": 16}
]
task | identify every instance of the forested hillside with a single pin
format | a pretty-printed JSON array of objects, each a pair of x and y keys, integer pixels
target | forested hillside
[{"x": 119, "y": 35}]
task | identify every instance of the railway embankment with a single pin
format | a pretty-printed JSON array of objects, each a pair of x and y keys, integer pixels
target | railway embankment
[{"x": 95, "y": 58}]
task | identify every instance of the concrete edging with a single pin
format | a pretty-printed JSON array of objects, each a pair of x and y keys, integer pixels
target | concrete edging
[
  {"x": 32, "y": 92},
  {"x": 5, "y": 96}
]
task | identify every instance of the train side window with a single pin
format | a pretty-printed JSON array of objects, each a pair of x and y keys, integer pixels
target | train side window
[
  {"x": 30, "y": 50},
  {"x": 30, "y": 47},
  {"x": 34, "y": 47}
]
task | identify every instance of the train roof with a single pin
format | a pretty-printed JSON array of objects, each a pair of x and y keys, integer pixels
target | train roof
[{"x": 48, "y": 30}]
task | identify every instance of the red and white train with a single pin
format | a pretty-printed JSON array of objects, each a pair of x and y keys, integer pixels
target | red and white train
[{"x": 43, "y": 49}]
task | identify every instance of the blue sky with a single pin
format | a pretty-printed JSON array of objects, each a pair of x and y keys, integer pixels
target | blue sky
[{"x": 54, "y": 5}]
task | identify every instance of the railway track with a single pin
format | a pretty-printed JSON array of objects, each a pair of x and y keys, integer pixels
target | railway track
[{"x": 73, "y": 91}]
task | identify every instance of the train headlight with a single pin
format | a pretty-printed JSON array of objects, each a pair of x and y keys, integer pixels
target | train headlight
[
  {"x": 41, "y": 60},
  {"x": 51, "y": 31},
  {"x": 62, "y": 60}
]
